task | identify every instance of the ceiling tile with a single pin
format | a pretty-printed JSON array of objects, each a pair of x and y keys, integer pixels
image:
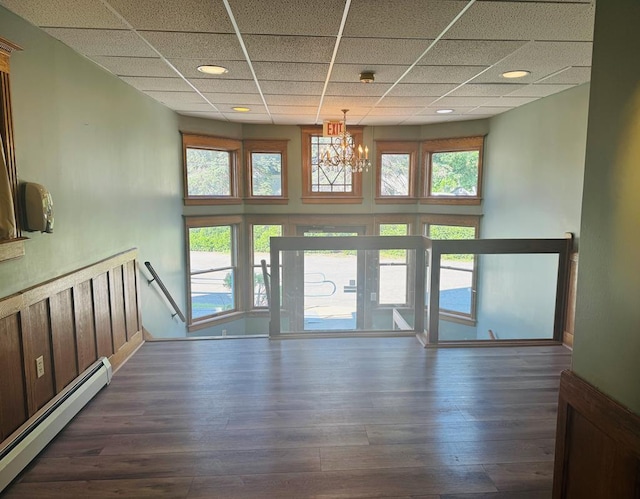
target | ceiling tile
[
  {"x": 405, "y": 19},
  {"x": 291, "y": 87},
  {"x": 135, "y": 66},
  {"x": 287, "y": 17},
  {"x": 237, "y": 99},
  {"x": 103, "y": 42},
  {"x": 380, "y": 51},
  {"x": 442, "y": 74},
  {"x": 247, "y": 117},
  {"x": 486, "y": 89},
  {"x": 421, "y": 90},
  {"x": 469, "y": 52},
  {"x": 224, "y": 86},
  {"x": 213, "y": 47},
  {"x": 573, "y": 75},
  {"x": 541, "y": 59},
  {"x": 175, "y": 97},
  {"x": 157, "y": 84},
  {"x": 524, "y": 21},
  {"x": 169, "y": 15},
  {"x": 453, "y": 102},
  {"x": 190, "y": 106},
  {"x": 292, "y": 100},
  {"x": 357, "y": 89},
  {"x": 238, "y": 70},
  {"x": 293, "y": 109},
  {"x": 65, "y": 13},
  {"x": 295, "y": 71},
  {"x": 289, "y": 48},
  {"x": 508, "y": 101},
  {"x": 539, "y": 90},
  {"x": 488, "y": 110},
  {"x": 400, "y": 101},
  {"x": 338, "y": 101}
]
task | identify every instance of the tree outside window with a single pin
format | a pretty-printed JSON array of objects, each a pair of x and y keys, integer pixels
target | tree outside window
[{"x": 453, "y": 170}]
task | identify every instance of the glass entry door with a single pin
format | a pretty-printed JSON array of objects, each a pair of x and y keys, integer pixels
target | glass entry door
[{"x": 331, "y": 298}]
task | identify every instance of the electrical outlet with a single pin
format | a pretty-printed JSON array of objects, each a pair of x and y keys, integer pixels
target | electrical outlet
[
  {"x": 224, "y": 332},
  {"x": 40, "y": 366}
]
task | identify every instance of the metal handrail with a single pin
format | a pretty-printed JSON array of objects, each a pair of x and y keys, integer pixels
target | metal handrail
[{"x": 164, "y": 289}]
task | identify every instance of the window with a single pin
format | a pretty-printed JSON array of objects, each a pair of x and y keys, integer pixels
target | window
[
  {"x": 393, "y": 268},
  {"x": 458, "y": 271},
  {"x": 396, "y": 172},
  {"x": 211, "y": 166},
  {"x": 213, "y": 272},
  {"x": 266, "y": 162},
  {"x": 327, "y": 185},
  {"x": 453, "y": 170},
  {"x": 260, "y": 240}
]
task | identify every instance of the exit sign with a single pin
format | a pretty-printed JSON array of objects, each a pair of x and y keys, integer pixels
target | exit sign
[{"x": 332, "y": 128}]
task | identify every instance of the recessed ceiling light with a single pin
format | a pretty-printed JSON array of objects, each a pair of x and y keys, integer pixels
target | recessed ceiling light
[
  {"x": 212, "y": 70},
  {"x": 240, "y": 109},
  {"x": 444, "y": 111},
  {"x": 519, "y": 73}
]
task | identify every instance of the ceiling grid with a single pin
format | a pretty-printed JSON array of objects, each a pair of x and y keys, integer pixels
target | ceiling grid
[{"x": 298, "y": 61}]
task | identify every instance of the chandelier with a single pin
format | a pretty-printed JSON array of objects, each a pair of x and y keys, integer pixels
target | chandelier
[{"x": 341, "y": 153}]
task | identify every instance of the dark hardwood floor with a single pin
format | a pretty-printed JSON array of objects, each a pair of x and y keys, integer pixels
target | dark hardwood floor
[{"x": 326, "y": 418}]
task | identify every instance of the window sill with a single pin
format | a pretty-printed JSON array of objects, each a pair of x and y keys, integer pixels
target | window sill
[
  {"x": 211, "y": 201},
  {"x": 467, "y": 200},
  {"x": 331, "y": 199},
  {"x": 214, "y": 320},
  {"x": 266, "y": 200},
  {"x": 396, "y": 200},
  {"x": 458, "y": 319},
  {"x": 12, "y": 248}
]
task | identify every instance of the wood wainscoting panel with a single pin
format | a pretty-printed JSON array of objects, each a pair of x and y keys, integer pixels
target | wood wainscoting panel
[
  {"x": 570, "y": 310},
  {"x": 597, "y": 445},
  {"x": 63, "y": 338},
  {"x": 70, "y": 322},
  {"x": 130, "y": 297},
  {"x": 102, "y": 314},
  {"x": 36, "y": 339},
  {"x": 85, "y": 329},
  {"x": 116, "y": 297},
  {"x": 13, "y": 407}
]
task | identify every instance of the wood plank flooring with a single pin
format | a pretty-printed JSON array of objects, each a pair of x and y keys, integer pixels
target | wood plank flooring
[{"x": 329, "y": 418}]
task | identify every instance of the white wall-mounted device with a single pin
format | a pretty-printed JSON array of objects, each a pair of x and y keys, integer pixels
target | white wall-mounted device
[{"x": 38, "y": 207}]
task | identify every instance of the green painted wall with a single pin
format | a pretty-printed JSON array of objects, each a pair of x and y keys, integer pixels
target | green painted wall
[
  {"x": 109, "y": 156},
  {"x": 534, "y": 165},
  {"x": 607, "y": 340}
]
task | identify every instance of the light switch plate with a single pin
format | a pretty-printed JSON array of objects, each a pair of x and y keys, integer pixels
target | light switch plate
[{"x": 40, "y": 366}]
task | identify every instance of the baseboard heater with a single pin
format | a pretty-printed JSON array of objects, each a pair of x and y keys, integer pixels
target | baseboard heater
[{"x": 17, "y": 451}]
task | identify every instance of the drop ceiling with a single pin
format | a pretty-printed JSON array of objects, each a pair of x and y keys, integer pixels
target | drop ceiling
[{"x": 298, "y": 61}]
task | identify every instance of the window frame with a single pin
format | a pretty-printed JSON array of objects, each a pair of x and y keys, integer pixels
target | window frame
[
  {"x": 410, "y": 260},
  {"x": 12, "y": 247},
  {"x": 308, "y": 196},
  {"x": 212, "y": 143},
  {"x": 236, "y": 225},
  {"x": 461, "y": 144},
  {"x": 266, "y": 146},
  {"x": 251, "y": 223},
  {"x": 458, "y": 221},
  {"x": 397, "y": 147}
]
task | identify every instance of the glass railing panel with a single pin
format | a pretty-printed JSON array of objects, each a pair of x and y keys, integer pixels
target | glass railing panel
[{"x": 513, "y": 298}]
